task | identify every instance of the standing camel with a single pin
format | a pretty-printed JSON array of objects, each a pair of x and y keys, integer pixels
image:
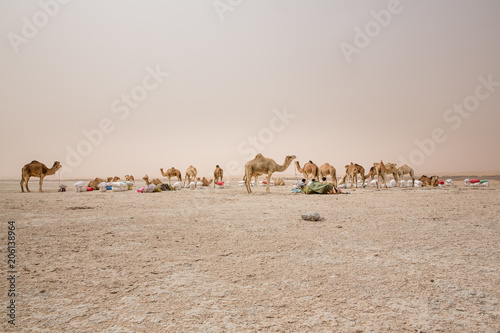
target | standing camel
[
  {"x": 255, "y": 176},
  {"x": 390, "y": 169},
  {"x": 406, "y": 170},
  {"x": 218, "y": 173},
  {"x": 325, "y": 170},
  {"x": 309, "y": 169},
  {"x": 352, "y": 171},
  {"x": 190, "y": 176},
  {"x": 263, "y": 165},
  {"x": 37, "y": 169},
  {"x": 381, "y": 172},
  {"x": 172, "y": 172}
]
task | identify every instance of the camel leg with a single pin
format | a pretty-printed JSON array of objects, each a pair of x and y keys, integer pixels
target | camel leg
[
  {"x": 41, "y": 182},
  {"x": 22, "y": 182},
  {"x": 248, "y": 179},
  {"x": 268, "y": 189},
  {"x": 26, "y": 184}
]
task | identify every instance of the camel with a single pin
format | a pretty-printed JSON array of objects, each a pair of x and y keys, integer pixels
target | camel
[
  {"x": 130, "y": 178},
  {"x": 390, "y": 169},
  {"x": 113, "y": 179},
  {"x": 325, "y": 170},
  {"x": 381, "y": 172},
  {"x": 352, "y": 170},
  {"x": 342, "y": 181},
  {"x": 263, "y": 165},
  {"x": 309, "y": 169},
  {"x": 372, "y": 173},
  {"x": 191, "y": 173},
  {"x": 218, "y": 173},
  {"x": 255, "y": 176},
  {"x": 406, "y": 170},
  {"x": 429, "y": 181},
  {"x": 94, "y": 183},
  {"x": 279, "y": 182},
  {"x": 37, "y": 169},
  {"x": 172, "y": 172},
  {"x": 204, "y": 181},
  {"x": 155, "y": 181}
]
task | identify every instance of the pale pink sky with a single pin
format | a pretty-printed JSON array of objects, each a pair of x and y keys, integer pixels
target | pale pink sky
[{"x": 349, "y": 96}]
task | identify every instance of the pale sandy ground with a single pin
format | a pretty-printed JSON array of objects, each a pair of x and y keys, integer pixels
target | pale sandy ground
[{"x": 415, "y": 260}]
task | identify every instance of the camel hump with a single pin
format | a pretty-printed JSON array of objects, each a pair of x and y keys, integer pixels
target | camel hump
[
  {"x": 34, "y": 161},
  {"x": 310, "y": 161},
  {"x": 217, "y": 166}
]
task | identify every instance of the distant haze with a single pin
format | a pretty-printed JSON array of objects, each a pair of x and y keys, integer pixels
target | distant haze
[{"x": 127, "y": 87}]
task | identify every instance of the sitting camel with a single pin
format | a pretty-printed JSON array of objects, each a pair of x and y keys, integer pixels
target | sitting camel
[
  {"x": 37, "y": 169},
  {"x": 429, "y": 181},
  {"x": 204, "y": 181},
  {"x": 263, "y": 165},
  {"x": 309, "y": 169},
  {"x": 130, "y": 178},
  {"x": 406, "y": 170},
  {"x": 113, "y": 179},
  {"x": 327, "y": 170},
  {"x": 218, "y": 173},
  {"x": 381, "y": 172},
  {"x": 190, "y": 176},
  {"x": 155, "y": 181},
  {"x": 95, "y": 183},
  {"x": 279, "y": 182},
  {"x": 172, "y": 172}
]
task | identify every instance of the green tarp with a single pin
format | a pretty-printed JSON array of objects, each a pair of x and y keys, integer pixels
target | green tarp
[{"x": 318, "y": 188}]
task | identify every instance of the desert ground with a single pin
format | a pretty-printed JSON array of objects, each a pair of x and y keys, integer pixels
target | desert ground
[{"x": 220, "y": 260}]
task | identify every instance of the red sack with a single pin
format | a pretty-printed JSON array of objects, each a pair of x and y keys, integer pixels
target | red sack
[
  {"x": 473, "y": 181},
  {"x": 220, "y": 183},
  {"x": 441, "y": 182},
  {"x": 90, "y": 188}
]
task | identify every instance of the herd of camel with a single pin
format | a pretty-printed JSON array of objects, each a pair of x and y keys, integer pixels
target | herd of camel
[{"x": 259, "y": 166}]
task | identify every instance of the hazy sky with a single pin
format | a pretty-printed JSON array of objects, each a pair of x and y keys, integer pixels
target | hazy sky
[{"x": 173, "y": 83}]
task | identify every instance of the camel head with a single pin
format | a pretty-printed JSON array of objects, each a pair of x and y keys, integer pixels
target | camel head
[
  {"x": 145, "y": 177},
  {"x": 390, "y": 166},
  {"x": 57, "y": 165},
  {"x": 290, "y": 158}
]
